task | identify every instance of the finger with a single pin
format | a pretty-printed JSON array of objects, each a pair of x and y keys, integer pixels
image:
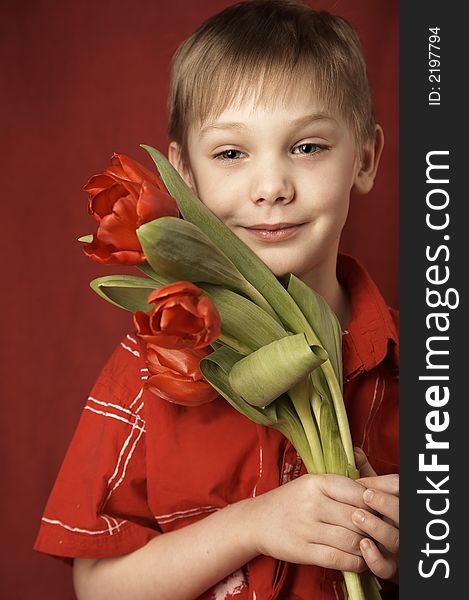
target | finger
[
  {"x": 361, "y": 460},
  {"x": 385, "y": 483},
  {"x": 338, "y": 514},
  {"x": 383, "y": 567},
  {"x": 342, "y": 489},
  {"x": 332, "y": 558},
  {"x": 337, "y": 537},
  {"x": 383, "y": 503},
  {"x": 381, "y": 531}
]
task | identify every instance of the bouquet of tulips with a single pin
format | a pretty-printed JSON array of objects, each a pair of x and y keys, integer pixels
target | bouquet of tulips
[{"x": 269, "y": 346}]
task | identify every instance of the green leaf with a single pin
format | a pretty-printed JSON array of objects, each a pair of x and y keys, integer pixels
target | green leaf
[
  {"x": 321, "y": 318},
  {"x": 243, "y": 320},
  {"x": 149, "y": 272},
  {"x": 125, "y": 291},
  {"x": 272, "y": 370},
  {"x": 87, "y": 239},
  {"x": 178, "y": 249},
  {"x": 216, "y": 368}
]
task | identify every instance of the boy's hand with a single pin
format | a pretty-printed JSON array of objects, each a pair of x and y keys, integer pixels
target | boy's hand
[
  {"x": 309, "y": 521},
  {"x": 381, "y": 522}
]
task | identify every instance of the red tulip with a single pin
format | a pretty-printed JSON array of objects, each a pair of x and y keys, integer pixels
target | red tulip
[
  {"x": 179, "y": 318},
  {"x": 175, "y": 375},
  {"x": 121, "y": 198}
]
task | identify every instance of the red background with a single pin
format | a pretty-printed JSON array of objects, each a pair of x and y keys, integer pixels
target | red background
[{"x": 80, "y": 81}]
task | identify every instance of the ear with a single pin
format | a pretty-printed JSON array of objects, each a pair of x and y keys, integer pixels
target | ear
[
  {"x": 371, "y": 154},
  {"x": 175, "y": 158}
]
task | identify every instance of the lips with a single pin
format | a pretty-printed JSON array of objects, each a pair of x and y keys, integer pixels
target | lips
[
  {"x": 273, "y": 232},
  {"x": 272, "y": 226}
]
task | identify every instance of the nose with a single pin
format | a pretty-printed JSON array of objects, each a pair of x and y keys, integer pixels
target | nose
[{"x": 272, "y": 184}]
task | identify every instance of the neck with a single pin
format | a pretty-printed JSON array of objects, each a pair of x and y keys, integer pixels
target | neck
[{"x": 324, "y": 281}]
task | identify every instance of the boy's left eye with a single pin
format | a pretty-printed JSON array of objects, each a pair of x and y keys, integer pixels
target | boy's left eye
[
  {"x": 230, "y": 154},
  {"x": 308, "y": 148}
]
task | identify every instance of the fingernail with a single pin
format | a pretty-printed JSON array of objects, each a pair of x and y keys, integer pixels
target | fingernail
[
  {"x": 368, "y": 495},
  {"x": 358, "y": 516},
  {"x": 365, "y": 544}
]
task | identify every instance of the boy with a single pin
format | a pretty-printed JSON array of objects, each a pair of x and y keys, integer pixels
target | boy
[{"x": 271, "y": 124}]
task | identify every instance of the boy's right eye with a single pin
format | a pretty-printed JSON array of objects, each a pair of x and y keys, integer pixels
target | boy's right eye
[{"x": 229, "y": 154}]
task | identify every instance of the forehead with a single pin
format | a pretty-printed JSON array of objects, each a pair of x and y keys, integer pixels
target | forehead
[
  {"x": 243, "y": 118},
  {"x": 294, "y": 105}
]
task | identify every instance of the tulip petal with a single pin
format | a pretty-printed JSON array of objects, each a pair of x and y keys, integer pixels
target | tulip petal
[
  {"x": 181, "y": 391},
  {"x": 154, "y": 203},
  {"x": 97, "y": 183},
  {"x": 178, "y": 320},
  {"x": 184, "y": 361},
  {"x": 118, "y": 228},
  {"x": 176, "y": 288},
  {"x": 103, "y": 202},
  {"x": 105, "y": 254},
  {"x": 133, "y": 171}
]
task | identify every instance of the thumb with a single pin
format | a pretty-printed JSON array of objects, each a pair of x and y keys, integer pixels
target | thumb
[{"x": 366, "y": 470}]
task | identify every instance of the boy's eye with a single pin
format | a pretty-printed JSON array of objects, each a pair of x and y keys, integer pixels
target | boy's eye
[
  {"x": 229, "y": 154},
  {"x": 308, "y": 148}
]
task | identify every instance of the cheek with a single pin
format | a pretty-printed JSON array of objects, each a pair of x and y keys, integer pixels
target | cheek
[
  {"x": 332, "y": 196},
  {"x": 217, "y": 196}
]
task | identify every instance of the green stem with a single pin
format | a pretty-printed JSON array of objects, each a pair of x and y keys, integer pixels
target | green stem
[
  {"x": 298, "y": 439},
  {"x": 370, "y": 585},
  {"x": 300, "y": 398},
  {"x": 353, "y": 584},
  {"x": 339, "y": 406}
]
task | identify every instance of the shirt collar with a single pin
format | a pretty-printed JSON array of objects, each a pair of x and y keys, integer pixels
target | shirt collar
[{"x": 372, "y": 333}]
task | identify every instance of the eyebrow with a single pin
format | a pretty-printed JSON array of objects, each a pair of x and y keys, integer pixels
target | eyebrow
[{"x": 238, "y": 126}]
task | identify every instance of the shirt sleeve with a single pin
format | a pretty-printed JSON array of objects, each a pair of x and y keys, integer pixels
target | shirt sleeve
[{"x": 98, "y": 506}]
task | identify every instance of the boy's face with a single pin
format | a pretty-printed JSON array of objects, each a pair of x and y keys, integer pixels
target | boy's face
[{"x": 280, "y": 178}]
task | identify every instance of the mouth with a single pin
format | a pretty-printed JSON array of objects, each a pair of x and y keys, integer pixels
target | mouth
[{"x": 273, "y": 232}]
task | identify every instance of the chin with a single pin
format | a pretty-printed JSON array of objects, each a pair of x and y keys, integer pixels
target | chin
[{"x": 281, "y": 268}]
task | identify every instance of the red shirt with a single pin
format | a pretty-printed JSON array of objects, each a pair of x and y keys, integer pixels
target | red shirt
[{"x": 139, "y": 466}]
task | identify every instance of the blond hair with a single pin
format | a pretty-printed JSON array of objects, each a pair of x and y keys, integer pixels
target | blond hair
[{"x": 263, "y": 49}]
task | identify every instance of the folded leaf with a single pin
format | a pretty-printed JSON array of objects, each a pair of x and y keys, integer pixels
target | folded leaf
[
  {"x": 126, "y": 291},
  {"x": 216, "y": 368},
  {"x": 272, "y": 370}
]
